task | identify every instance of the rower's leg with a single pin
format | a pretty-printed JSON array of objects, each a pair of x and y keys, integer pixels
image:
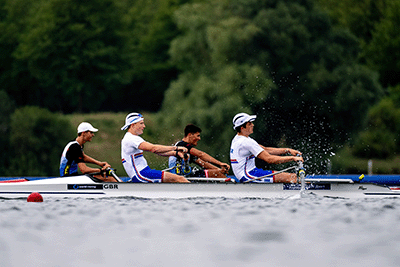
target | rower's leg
[
  {"x": 173, "y": 178},
  {"x": 285, "y": 177}
]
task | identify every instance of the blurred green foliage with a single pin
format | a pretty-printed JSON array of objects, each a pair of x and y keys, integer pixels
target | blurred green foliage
[
  {"x": 381, "y": 138},
  {"x": 345, "y": 162},
  {"x": 282, "y": 60},
  {"x": 7, "y": 107},
  {"x": 37, "y": 138},
  {"x": 375, "y": 23},
  {"x": 320, "y": 74},
  {"x": 73, "y": 49},
  {"x": 65, "y": 54}
]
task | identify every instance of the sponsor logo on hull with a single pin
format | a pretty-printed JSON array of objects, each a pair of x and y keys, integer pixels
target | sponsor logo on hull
[
  {"x": 91, "y": 186},
  {"x": 310, "y": 186}
]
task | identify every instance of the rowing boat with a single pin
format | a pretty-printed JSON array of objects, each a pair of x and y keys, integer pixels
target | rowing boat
[{"x": 85, "y": 186}]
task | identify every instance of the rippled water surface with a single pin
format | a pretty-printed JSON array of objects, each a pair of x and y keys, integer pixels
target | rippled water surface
[{"x": 200, "y": 232}]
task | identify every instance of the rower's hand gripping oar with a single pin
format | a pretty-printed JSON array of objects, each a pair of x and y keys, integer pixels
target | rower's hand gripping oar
[{"x": 109, "y": 172}]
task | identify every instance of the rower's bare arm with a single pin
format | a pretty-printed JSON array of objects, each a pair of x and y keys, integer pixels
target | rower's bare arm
[
  {"x": 294, "y": 152},
  {"x": 273, "y": 159},
  {"x": 167, "y": 154},
  {"x": 160, "y": 149},
  {"x": 89, "y": 159},
  {"x": 86, "y": 169},
  {"x": 205, "y": 165},
  {"x": 207, "y": 158},
  {"x": 281, "y": 151}
]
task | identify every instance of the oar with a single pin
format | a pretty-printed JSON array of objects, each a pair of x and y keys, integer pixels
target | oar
[
  {"x": 269, "y": 175},
  {"x": 301, "y": 174},
  {"x": 168, "y": 169},
  {"x": 222, "y": 180},
  {"x": 186, "y": 168},
  {"x": 112, "y": 172}
]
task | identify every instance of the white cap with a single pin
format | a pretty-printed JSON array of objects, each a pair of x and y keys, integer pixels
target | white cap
[
  {"x": 85, "y": 126},
  {"x": 132, "y": 118},
  {"x": 242, "y": 118}
]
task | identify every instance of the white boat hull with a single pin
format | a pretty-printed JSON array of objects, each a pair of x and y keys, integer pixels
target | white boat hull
[{"x": 84, "y": 187}]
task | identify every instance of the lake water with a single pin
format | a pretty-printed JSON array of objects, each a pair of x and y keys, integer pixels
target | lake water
[{"x": 200, "y": 232}]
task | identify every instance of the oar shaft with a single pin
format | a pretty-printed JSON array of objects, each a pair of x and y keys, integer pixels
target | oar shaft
[
  {"x": 115, "y": 176},
  {"x": 168, "y": 169},
  {"x": 112, "y": 172},
  {"x": 222, "y": 180},
  {"x": 269, "y": 175}
]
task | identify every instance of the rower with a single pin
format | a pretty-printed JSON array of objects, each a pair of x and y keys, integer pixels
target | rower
[
  {"x": 245, "y": 149},
  {"x": 73, "y": 156},
  {"x": 209, "y": 166},
  {"x": 132, "y": 147}
]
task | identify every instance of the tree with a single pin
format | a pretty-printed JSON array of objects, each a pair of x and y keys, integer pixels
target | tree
[
  {"x": 37, "y": 138},
  {"x": 380, "y": 137},
  {"x": 7, "y": 107},
  {"x": 285, "y": 62},
  {"x": 359, "y": 16},
  {"x": 75, "y": 49},
  {"x": 151, "y": 30},
  {"x": 15, "y": 78},
  {"x": 375, "y": 23},
  {"x": 382, "y": 53}
]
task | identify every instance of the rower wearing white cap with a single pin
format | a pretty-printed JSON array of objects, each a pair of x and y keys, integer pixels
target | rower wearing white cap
[
  {"x": 245, "y": 149},
  {"x": 73, "y": 156},
  {"x": 132, "y": 147}
]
